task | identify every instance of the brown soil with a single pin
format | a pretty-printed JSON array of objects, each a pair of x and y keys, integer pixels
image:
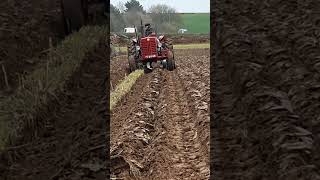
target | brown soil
[
  {"x": 73, "y": 144},
  {"x": 118, "y": 70},
  {"x": 188, "y": 39},
  {"x": 25, "y": 28},
  {"x": 160, "y": 130},
  {"x": 266, "y": 121}
]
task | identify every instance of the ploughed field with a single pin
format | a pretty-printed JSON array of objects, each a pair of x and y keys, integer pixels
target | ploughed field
[
  {"x": 71, "y": 144},
  {"x": 266, "y": 91},
  {"x": 160, "y": 129},
  {"x": 118, "y": 70}
]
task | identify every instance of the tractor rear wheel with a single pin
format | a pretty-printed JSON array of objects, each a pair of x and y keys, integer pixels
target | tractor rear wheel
[
  {"x": 164, "y": 64},
  {"x": 139, "y": 65},
  {"x": 174, "y": 61},
  {"x": 170, "y": 61},
  {"x": 130, "y": 49},
  {"x": 132, "y": 63},
  {"x": 168, "y": 43}
]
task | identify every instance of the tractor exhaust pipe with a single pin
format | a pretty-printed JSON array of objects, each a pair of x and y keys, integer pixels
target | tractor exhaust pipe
[{"x": 141, "y": 28}]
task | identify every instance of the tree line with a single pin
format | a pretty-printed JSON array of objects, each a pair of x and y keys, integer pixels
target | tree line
[{"x": 163, "y": 17}]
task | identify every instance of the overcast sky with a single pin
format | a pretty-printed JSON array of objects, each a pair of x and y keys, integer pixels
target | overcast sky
[{"x": 181, "y": 6}]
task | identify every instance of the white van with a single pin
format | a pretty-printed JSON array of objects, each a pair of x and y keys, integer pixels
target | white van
[{"x": 130, "y": 30}]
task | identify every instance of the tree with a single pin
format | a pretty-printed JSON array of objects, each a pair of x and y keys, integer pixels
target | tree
[
  {"x": 121, "y": 7},
  {"x": 132, "y": 18},
  {"x": 165, "y": 17},
  {"x": 116, "y": 19},
  {"x": 134, "y": 5},
  {"x": 114, "y": 10}
]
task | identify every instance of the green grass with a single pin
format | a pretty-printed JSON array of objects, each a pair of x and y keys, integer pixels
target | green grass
[
  {"x": 192, "y": 46},
  {"x": 196, "y": 23},
  {"x": 124, "y": 87},
  {"x": 46, "y": 82}
]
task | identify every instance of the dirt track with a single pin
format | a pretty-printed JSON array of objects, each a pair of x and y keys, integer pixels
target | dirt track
[
  {"x": 161, "y": 129},
  {"x": 72, "y": 144}
]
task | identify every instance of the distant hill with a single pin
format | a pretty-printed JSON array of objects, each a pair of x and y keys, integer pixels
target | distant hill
[{"x": 196, "y": 22}]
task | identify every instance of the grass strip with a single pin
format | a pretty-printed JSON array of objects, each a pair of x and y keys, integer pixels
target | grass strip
[
  {"x": 192, "y": 46},
  {"x": 124, "y": 87},
  {"x": 123, "y": 49},
  {"x": 19, "y": 110}
]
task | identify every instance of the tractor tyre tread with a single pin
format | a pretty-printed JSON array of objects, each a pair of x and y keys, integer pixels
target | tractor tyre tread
[{"x": 132, "y": 63}]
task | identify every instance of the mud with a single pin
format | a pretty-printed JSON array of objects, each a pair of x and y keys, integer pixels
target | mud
[
  {"x": 118, "y": 70},
  {"x": 190, "y": 38},
  {"x": 25, "y": 29},
  {"x": 163, "y": 124},
  {"x": 266, "y": 81},
  {"x": 72, "y": 144}
]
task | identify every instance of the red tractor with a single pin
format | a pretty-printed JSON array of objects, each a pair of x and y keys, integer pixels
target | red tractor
[{"x": 148, "y": 49}]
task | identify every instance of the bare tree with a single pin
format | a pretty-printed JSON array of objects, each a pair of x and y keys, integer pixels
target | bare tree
[
  {"x": 121, "y": 7},
  {"x": 132, "y": 18},
  {"x": 166, "y": 17},
  {"x": 134, "y": 5},
  {"x": 117, "y": 22}
]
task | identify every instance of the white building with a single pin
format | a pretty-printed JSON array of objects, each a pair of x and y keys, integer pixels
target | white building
[{"x": 181, "y": 31}]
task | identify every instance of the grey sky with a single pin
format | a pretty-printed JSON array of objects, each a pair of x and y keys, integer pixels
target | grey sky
[{"x": 180, "y": 5}]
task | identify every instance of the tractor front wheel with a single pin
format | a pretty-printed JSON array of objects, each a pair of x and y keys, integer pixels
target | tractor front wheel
[
  {"x": 169, "y": 43},
  {"x": 174, "y": 61}
]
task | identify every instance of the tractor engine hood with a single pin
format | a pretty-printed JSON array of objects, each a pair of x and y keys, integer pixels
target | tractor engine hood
[{"x": 149, "y": 47}]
